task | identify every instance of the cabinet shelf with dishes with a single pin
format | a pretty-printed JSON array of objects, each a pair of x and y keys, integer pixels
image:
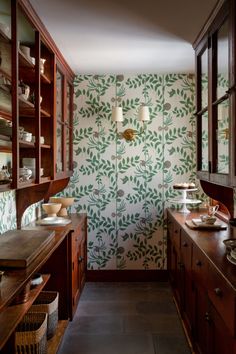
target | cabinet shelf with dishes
[{"x": 29, "y": 62}]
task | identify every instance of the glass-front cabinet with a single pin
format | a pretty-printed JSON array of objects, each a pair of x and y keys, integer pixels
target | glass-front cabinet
[
  {"x": 64, "y": 122},
  {"x": 215, "y": 84},
  {"x": 36, "y": 98},
  {"x": 5, "y": 95}
]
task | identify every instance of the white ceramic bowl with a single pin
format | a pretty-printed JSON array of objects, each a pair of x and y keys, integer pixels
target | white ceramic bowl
[
  {"x": 65, "y": 202},
  {"x": 51, "y": 209},
  {"x": 25, "y": 50}
]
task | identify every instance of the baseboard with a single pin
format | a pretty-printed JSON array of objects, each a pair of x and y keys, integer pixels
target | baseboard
[{"x": 126, "y": 275}]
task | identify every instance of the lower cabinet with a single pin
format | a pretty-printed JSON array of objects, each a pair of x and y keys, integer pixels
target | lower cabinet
[
  {"x": 78, "y": 264},
  {"x": 205, "y": 299}
]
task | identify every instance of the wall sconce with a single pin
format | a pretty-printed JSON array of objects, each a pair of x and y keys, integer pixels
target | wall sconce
[{"x": 129, "y": 134}]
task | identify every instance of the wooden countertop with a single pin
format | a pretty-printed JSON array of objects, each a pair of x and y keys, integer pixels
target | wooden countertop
[
  {"x": 211, "y": 244},
  {"x": 14, "y": 280}
]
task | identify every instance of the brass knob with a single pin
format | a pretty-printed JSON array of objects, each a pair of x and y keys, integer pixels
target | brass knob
[{"x": 218, "y": 292}]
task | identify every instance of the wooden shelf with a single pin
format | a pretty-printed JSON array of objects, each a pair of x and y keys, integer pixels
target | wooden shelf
[
  {"x": 24, "y": 61},
  {"x": 46, "y": 146},
  {"x": 26, "y": 144},
  {"x": 55, "y": 341},
  {"x": 5, "y": 187},
  {"x": 45, "y": 179},
  {"x": 5, "y": 143},
  {"x": 5, "y": 74},
  {"x": 45, "y": 79},
  {"x": 4, "y": 37},
  {"x": 13, "y": 314},
  {"x": 7, "y": 149},
  {"x": 25, "y": 184},
  {"x": 27, "y": 109}
]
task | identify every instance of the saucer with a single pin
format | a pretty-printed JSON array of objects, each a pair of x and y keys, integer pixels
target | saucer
[{"x": 231, "y": 259}]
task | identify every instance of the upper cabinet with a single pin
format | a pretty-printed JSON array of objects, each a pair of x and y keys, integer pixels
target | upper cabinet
[
  {"x": 215, "y": 98},
  {"x": 5, "y": 94},
  {"x": 36, "y": 98}
]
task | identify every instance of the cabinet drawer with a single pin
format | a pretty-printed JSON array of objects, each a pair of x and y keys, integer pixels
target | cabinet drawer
[
  {"x": 199, "y": 267},
  {"x": 222, "y": 297},
  {"x": 174, "y": 233},
  {"x": 186, "y": 250}
]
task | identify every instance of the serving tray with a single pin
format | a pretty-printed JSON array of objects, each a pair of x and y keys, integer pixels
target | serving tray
[
  {"x": 205, "y": 226},
  {"x": 18, "y": 248}
]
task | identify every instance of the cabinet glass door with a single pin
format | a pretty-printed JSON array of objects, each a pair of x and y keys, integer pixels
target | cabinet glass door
[
  {"x": 221, "y": 101},
  {"x": 202, "y": 111},
  {"x": 68, "y": 127},
  {"x": 204, "y": 141},
  {"x": 59, "y": 118},
  {"x": 204, "y": 79},
  {"x": 5, "y": 95},
  {"x": 27, "y": 119}
]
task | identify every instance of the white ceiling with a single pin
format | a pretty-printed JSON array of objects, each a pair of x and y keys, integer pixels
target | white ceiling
[{"x": 125, "y": 36}]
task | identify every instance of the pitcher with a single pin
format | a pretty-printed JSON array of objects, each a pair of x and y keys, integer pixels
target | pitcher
[{"x": 212, "y": 209}]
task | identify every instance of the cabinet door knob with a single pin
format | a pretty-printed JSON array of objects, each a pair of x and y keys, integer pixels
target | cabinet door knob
[
  {"x": 80, "y": 259},
  {"x": 218, "y": 292},
  {"x": 207, "y": 317},
  {"x": 176, "y": 231},
  {"x": 185, "y": 244},
  {"x": 198, "y": 263}
]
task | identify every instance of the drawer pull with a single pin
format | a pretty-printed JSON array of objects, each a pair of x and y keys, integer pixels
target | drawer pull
[
  {"x": 80, "y": 259},
  {"x": 176, "y": 231},
  {"x": 185, "y": 244},
  {"x": 198, "y": 263},
  {"x": 207, "y": 317},
  {"x": 218, "y": 292}
]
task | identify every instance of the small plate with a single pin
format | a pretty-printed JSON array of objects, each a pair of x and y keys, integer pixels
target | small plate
[
  {"x": 53, "y": 220},
  {"x": 231, "y": 259}
]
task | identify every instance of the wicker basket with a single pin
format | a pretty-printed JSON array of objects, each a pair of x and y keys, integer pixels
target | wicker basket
[
  {"x": 30, "y": 335},
  {"x": 47, "y": 301}
]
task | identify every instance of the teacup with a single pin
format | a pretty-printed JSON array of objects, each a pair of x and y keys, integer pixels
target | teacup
[
  {"x": 210, "y": 220},
  {"x": 212, "y": 209}
]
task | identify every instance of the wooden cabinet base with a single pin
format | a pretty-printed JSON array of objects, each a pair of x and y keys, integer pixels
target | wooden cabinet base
[{"x": 55, "y": 341}]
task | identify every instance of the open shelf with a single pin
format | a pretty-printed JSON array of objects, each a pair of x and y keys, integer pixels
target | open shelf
[
  {"x": 27, "y": 109},
  {"x": 5, "y": 187},
  {"x": 24, "y": 184},
  {"x": 5, "y": 74},
  {"x": 24, "y": 61},
  {"x": 54, "y": 342},
  {"x": 5, "y": 143},
  {"x": 4, "y": 38},
  {"x": 13, "y": 314},
  {"x": 26, "y": 144},
  {"x": 46, "y": 146},
  {"x": 45, "y": 79}
]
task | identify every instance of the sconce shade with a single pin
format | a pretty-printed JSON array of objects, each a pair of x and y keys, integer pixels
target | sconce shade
[
  {"x": 144, "y": 113},
  {"x": 117, "y": 114}
]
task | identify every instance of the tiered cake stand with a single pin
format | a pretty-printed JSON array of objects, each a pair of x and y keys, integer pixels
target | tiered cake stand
[{"x": 184, "y": 200}]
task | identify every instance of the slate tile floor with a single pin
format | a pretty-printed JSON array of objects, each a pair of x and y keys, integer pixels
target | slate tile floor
[{"x": 125, "y": 318}]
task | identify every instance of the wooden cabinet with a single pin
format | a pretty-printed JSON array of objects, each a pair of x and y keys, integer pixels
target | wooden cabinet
[
  {"x": 78, "y": 264},
  {"x": 204, "y": 286},
  {"x": 215, "y": 58},
  {"x": 63, "y": 271},
  {"x": 36, "y": 102},
  {"x": 215, "y": 90}
]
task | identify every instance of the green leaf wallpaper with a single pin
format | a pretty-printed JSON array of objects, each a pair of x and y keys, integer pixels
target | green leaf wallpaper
[
  {"x": 8, "y": 212},
  {"x": 124, "y": 186}
]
